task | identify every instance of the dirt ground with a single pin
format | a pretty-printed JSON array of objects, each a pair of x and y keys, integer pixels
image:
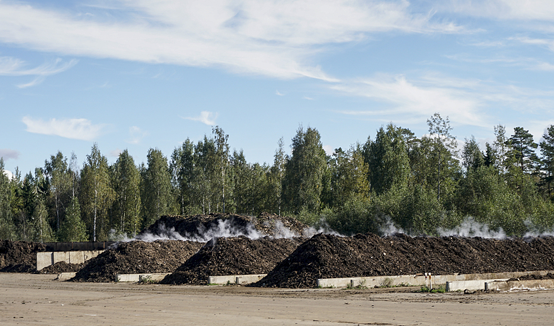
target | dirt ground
[{"x": 37, "y": 299}]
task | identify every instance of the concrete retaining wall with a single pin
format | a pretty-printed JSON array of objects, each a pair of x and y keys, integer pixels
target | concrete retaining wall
[
  {"x": 526, "y": 285},
  {"x": 418, "y": 280},
  {"x": 154, "y": 277},
  {"x": 45, "y": 259},
  {"x": 235, "y": 279}
]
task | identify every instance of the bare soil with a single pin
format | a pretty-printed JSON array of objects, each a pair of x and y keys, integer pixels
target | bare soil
[
  {"x": 162, "y": 256},
  {"x": 32, "y": 299},
  {"x": 233, "y": 256},
  {"x": 329, "y": 256}
]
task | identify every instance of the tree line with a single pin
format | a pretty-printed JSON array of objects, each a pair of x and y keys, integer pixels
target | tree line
[{"x": 418, "y": 184}]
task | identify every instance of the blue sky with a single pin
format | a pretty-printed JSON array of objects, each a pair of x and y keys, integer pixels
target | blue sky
[{"x": 148, "y": 74}]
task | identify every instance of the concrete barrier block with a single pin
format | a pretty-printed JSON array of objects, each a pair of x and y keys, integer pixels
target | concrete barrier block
[
  {"x": 473, "y": 285},
  {"x": 60, "y": 256},
  {"x": 235, "y": 279},
  {"x": 247, "y": 279},
  {"x": 44, "y": 259},
  {"x": 420, "y": 280},
  {"x": 525, "y": 285},
  {"x": 66, "y": 276},
  {"x": 143, "y": 277},
  {"x": 76, "y": 257}
]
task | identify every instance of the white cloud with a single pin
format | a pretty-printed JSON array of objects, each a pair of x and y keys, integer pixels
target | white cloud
[
  {"x": 328, "y": 149},
  {"x": 7, "y": 154},
  {"x": 136, "y": 135},
  {"x": 32, "y": 83},
  {"x": 115, "y": 152},
  {"x": 9, "y": 174},
  {"x": 503, "y": 9},
  {"x": 406, "y": 99},
  {"x": 81, "y": 129},
  {"x": 279, "y": 93},
  {"x": 271, "y": 38},
  {"x": 205, "y": 117},
  {"x": 308, "y": 98},
  {"x": 466, "y": 101},
  {"x": 14, "y": 67}
]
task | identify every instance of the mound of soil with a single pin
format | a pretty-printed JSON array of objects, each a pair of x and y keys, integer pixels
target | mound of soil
[
  {"x": 233, "y": 256},
  {"x": 19, "y": 256},
  {"x": 61, "y": 267},
  {"x": 204, "y": 227},
  {"x": 328, "y": 256},
  {"x": 162, "y": 256}
]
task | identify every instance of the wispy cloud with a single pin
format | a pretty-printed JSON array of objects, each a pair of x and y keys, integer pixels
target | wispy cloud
[
  {"x": 279, "y": 93},
  {"x": 136, "y": 135},
  {"x": 7, "y": 154},
  {"x": 271, "y": 38},
  {"x": 465, "y": 101},
  {"x": 205, "y": 117},
  {"x": 541, "y": 10},
  {"x": 81, "y": 129},
  {"x": 14, "y": 67},
  {"x": 400, "y": 96},
  {"x": 115, "y": 152}
]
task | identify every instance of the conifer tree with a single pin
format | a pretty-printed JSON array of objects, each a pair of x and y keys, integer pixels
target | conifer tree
[
  {"x": 302, "y": 184},
  {"x": 73, "y": 229},
  {"x": 126, "y": 184},
  {"x": 156, "y": 191},
  {"x": 7, "y": 227}
]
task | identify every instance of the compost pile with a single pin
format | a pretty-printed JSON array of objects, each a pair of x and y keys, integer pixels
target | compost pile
[
  {"x": 162, "y": 256},
  {"x": 328, "y": 256},
  {"x": 19, "y": 256},
  {"x": 61, "y": 267},
  {"x": 204, "y": 227},
  {"x": 233, "y": 256}
]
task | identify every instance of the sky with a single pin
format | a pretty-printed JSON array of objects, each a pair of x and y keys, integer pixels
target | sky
[{"x": 148, "y": 74}]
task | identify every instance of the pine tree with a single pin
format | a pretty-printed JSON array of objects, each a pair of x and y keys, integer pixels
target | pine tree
[
  {"x": 73, "y": 229},
  {"x": 387, "y": 159},
  {"x": 156, "y": 191},
  {"x": 547, "y": 158},
  {"x": 302, "y": 184},
  {"x": 523, "y": 151},
  {"x": 7, "y": 227},
  {"x": 126, "y": 184}
]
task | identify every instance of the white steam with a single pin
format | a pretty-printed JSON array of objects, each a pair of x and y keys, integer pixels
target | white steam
[
  {"x": 320, "y": 227},
  {"x": 472, "y": 228},
  {"x": 388, "y": 228},
  {"x": 535, "y": 231}
]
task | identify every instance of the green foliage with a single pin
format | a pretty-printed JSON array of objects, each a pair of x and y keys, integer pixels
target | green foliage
[
  {"x": 126, "y": 185},
  {"x": 397, "y": 179},
  {"x": 73, "y": 229},
  {"x": 302, "y": 184},
  {"x": 7, "y": 226},
  {"x": 156, "y": 188},
  {"x": 426, "y": 289},
  {"x": 387, "y": 159},
  {"x": 96, "y": 196}
]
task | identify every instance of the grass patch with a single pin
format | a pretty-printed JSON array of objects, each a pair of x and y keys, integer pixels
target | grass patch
[{"x": 425, "y": 289}]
